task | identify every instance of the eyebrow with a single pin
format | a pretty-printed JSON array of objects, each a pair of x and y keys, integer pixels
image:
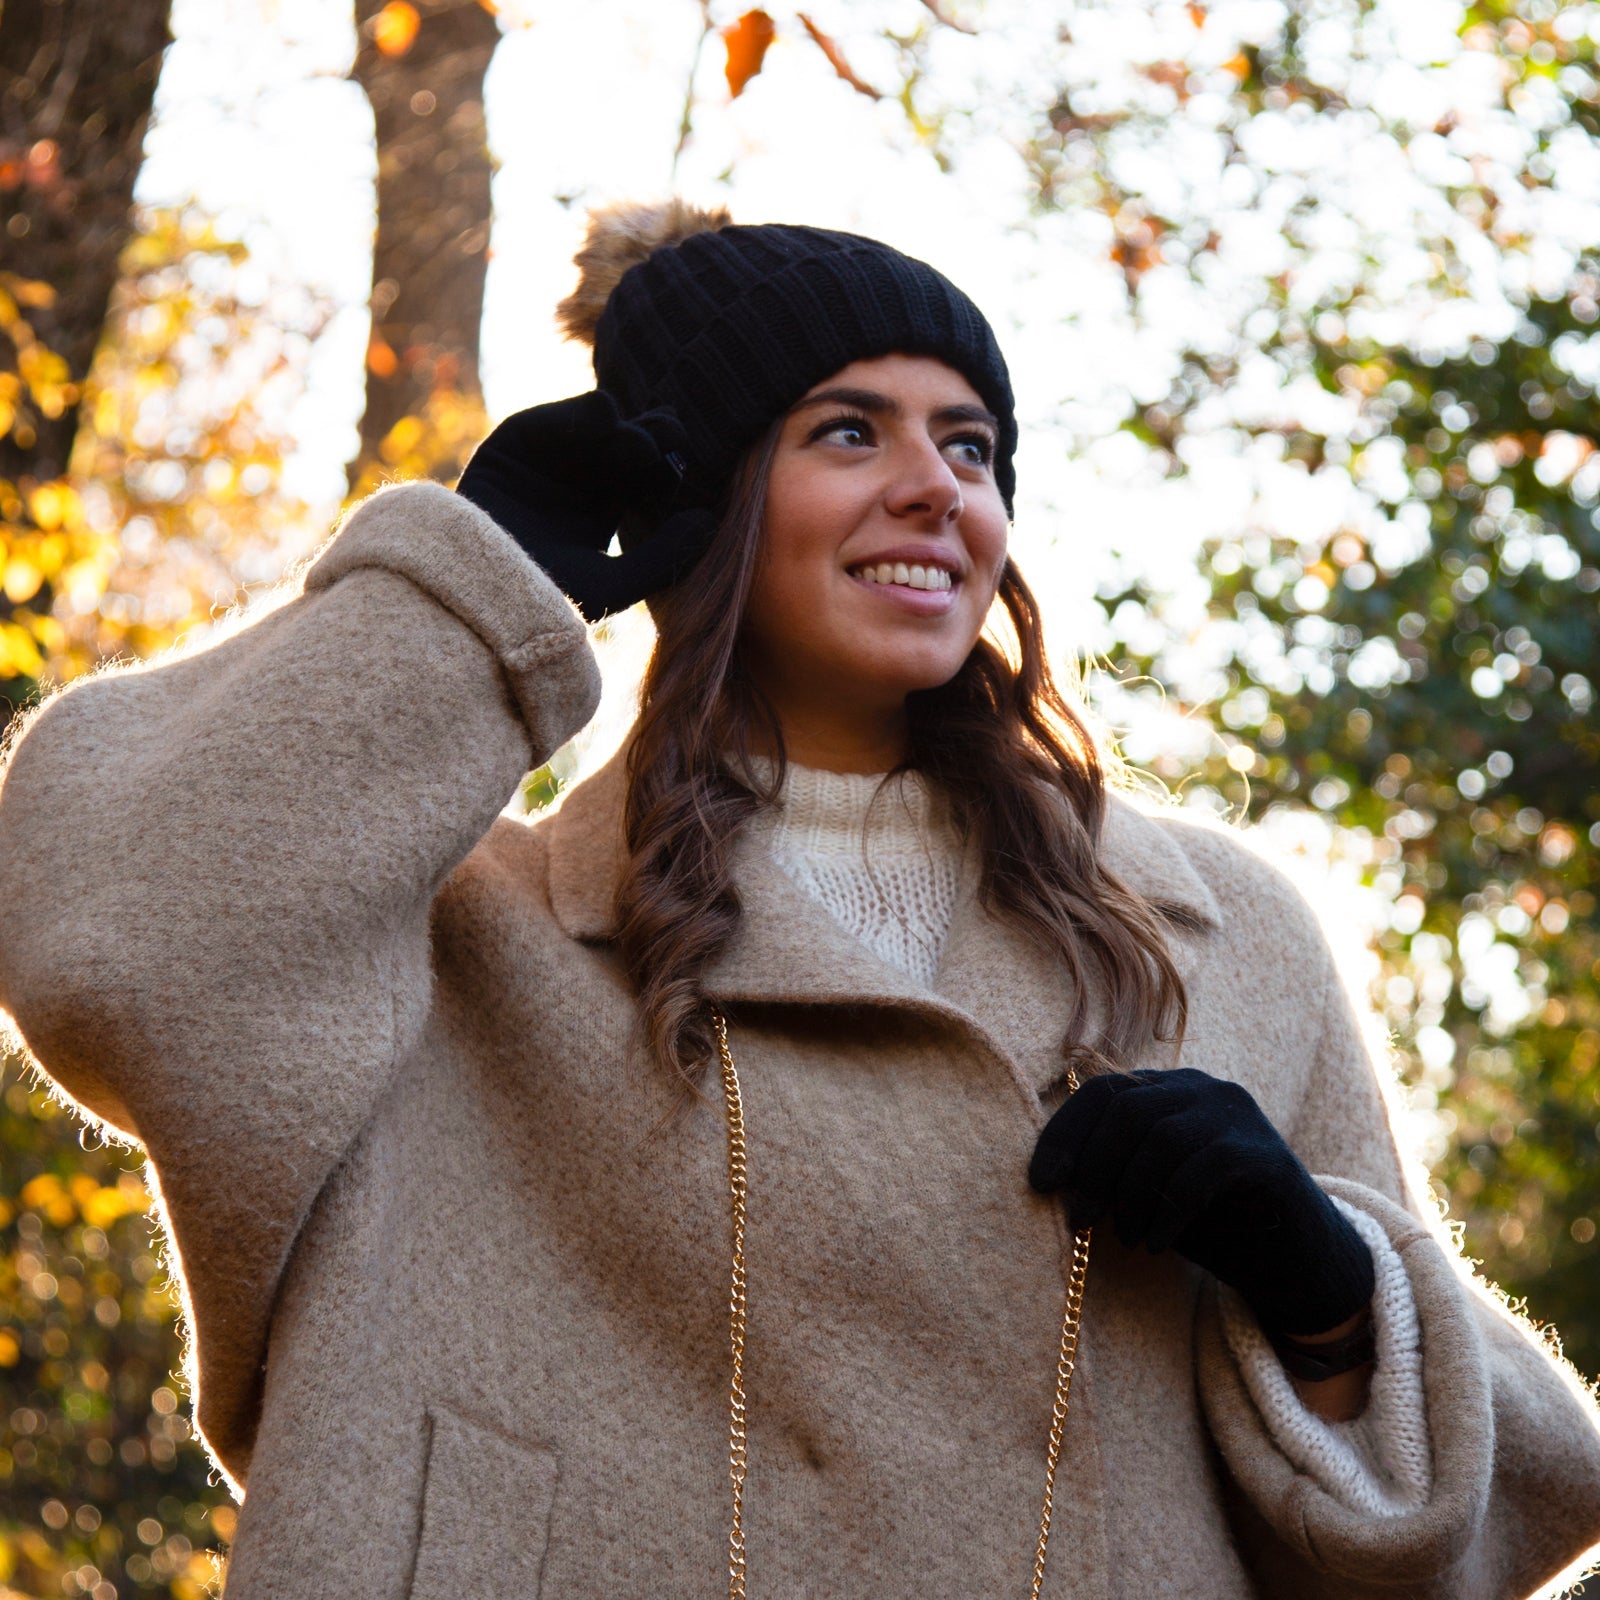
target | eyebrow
[{"x": 876, "y": 404}]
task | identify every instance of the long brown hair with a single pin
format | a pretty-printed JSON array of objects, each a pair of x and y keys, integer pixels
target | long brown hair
[{"x": 1016, "y": 762}]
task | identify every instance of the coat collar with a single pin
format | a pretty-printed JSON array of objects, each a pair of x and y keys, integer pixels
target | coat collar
[{"x": 790, "y": 951}]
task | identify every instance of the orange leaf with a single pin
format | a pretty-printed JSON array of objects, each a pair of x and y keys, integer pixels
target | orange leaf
[
  {"x": 382, "y": 362},
  {"x": 747, "y": 40},
  {"x": 32, "y": 292},
  {"x": 836, "y": 59},
  {"x": 394, "y": 29}
]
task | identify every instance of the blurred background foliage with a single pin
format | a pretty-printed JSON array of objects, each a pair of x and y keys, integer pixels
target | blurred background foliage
[
  {"x": 1393, "y": 651},
  {"x": 1419, "y": 667}
]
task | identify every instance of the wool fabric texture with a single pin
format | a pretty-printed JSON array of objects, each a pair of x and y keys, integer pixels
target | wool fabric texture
[
  {"x": 881, "y": 857},
  {"x": 455, "y": 1274},
  {"x": 730, "y": 326}
]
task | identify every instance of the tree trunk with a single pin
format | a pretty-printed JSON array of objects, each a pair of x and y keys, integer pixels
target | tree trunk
[
  {"x": 77, "y": 78},
  {"x": 422, "y": 67}
]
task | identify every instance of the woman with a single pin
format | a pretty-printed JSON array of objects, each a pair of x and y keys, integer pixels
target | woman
[{"x": 449, "y": 1149}]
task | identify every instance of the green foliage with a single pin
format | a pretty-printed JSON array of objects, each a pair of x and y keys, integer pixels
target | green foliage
[{"x": 1414, "y": 657}]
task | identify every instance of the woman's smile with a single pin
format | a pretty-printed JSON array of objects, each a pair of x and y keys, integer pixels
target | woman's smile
[{"x": 921, "y": 578}]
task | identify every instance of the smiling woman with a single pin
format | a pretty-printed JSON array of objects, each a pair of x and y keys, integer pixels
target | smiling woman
[
  {"x": 477, "y": 1270},
  {"x": 884, "y": 540}
]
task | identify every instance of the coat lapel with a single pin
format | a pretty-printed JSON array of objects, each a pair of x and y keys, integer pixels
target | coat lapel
[{"x": 788, "y": 950}]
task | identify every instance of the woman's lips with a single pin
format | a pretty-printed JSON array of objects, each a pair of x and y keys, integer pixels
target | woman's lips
[{"x": 918, "y": 602}]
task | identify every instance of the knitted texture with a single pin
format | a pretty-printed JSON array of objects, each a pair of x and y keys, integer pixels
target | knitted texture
[
  {"x": 1381, "y": 1464},
  {"x": 885, "y": 871},
  {"x": 729, "y": 327}
]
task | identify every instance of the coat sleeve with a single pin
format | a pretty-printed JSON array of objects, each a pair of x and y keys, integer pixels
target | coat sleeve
[
  {"x": 218, "y": 867},
  {"x": 1513, "y": 1432}
]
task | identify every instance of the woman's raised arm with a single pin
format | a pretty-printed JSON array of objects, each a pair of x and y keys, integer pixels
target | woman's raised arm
[{"x": 217, "y": 866}]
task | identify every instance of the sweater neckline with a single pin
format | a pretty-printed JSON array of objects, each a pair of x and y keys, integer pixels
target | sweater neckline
[{"x": 840, "y": 814}]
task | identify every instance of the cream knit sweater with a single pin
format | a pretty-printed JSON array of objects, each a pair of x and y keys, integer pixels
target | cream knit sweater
[{"x": 886, "y": 867}]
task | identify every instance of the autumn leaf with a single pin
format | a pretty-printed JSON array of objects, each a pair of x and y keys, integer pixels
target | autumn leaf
[
  {"x": 381, "y": 359},
  {"x": 29, "y": 291},
  {"x": 836, "y": 59},
  {"x": 747, "y": 40},
  {"x": 394, "y": 29}
]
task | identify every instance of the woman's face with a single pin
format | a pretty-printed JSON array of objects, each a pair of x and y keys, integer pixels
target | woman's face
[{"x": 884, "y": 535}]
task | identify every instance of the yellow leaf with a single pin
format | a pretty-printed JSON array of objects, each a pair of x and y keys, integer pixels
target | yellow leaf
[
  {"x": 747, "y": 41},
  {"x": 19, "y": 655},
  {"x": 402, "y": 439},
  {"x": 106, "y": 1206},
  {"x": 41, "y": 1191},
  {"x": 56, "y": 505},
  {"x": 22, "y": 580},
  {"x": 394, "y": 29}
]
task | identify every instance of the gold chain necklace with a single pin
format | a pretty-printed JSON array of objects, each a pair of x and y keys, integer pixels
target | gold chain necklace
[{"x": 738, "y": 1189}]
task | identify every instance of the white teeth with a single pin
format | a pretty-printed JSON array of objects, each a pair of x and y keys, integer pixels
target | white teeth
[{"x": 911, "y": 577}]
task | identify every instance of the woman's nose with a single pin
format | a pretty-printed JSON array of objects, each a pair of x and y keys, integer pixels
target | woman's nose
[{"x": 925, "y": 486}]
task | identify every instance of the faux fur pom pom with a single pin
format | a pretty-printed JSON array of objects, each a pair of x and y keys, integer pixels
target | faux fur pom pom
[{"x": 619, "y": 236}]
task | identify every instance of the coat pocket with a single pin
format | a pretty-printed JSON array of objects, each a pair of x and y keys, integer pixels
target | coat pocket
[{"x": 485, "y": 1513}]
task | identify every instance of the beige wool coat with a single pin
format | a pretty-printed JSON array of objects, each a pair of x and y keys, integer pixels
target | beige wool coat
[{"x": 458, "y": 1306}]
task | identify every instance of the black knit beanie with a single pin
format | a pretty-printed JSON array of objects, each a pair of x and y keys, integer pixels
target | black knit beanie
[{"x": 727, "y": 326}]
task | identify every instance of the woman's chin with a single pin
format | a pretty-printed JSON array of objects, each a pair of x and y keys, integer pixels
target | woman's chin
[{"x": 882, "y": 683}]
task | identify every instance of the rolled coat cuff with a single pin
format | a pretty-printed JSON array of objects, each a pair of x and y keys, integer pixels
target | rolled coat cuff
[
  {"x": 1415, "y": 1536},
  {"x": 468, "y": 563},
  {"x": 1380, "y": 1464}
]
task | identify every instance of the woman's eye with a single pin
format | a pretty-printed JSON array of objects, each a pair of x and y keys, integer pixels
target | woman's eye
[
  {"x": 851, "y": 430},
  {"x": 979, "y": 448}
]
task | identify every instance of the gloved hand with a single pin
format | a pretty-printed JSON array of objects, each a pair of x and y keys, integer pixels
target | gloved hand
[
  {"x": 559, "y": 479},
  {"x": 1183, "y": 1159}
]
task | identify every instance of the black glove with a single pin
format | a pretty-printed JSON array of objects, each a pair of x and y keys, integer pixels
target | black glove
[
  {"x": 559, "y": 478},
  {"x": 1184, "y": 1159}
]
